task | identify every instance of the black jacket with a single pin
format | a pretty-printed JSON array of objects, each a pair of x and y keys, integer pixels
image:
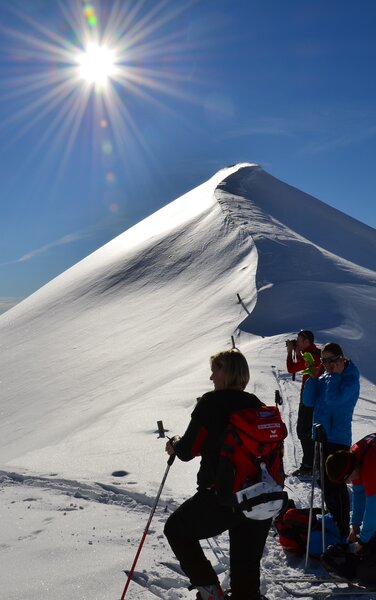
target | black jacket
[{"x": 205, "y": 431}]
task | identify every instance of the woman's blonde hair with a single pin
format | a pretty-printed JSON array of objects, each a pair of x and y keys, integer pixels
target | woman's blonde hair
[{"x": 234, "y": 366}]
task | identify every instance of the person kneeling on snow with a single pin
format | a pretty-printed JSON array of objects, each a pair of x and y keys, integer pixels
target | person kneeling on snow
[{"x": 358, "y": 466}]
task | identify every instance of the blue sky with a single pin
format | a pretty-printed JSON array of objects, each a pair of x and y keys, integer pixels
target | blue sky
[{"x": 198, "y": 86}]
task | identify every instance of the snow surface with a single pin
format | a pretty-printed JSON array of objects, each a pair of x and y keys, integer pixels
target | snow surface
[{"x": 95, "y": 358}]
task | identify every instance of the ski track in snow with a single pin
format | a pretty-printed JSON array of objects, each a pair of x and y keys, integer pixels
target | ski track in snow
[
  {"x": 96, "y": 492},
  {"x": 289, "y": 410}
]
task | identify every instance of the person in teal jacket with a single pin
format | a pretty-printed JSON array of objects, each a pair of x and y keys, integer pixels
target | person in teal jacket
[{"x": 333, "y": 397}]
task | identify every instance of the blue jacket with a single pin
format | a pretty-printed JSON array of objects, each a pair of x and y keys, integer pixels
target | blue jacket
[{"x": 333, "y": 397}]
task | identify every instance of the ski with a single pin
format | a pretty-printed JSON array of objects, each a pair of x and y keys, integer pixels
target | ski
[
  {"x": 351, "y": 591},
  {"x": 311, "y": 578}
]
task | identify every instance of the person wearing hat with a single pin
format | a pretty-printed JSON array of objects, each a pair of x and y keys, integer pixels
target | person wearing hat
[
  {"x": 295, "y": 363},
  {"x": 333, "y": 397},
  {"x": 358, "y": 466}
]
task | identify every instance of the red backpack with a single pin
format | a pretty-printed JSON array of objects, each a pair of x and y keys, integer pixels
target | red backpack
[
  {"x": 253, "y": 436},
  {"x": 292, "y": 528}
]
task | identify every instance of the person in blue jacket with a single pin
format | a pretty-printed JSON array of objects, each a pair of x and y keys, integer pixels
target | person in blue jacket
[{"x": 333, "y": 397}]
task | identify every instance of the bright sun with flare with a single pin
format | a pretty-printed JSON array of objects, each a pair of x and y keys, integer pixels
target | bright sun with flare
[
  {"x": 82, "y": 62},
  {"x": 97, "y": 65}
]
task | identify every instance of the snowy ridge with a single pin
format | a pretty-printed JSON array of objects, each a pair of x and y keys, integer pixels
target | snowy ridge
[{"x": 121, "y": 340}]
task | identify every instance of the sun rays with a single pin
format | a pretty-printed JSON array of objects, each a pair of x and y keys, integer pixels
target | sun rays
[{"x": 87, "y": 62}]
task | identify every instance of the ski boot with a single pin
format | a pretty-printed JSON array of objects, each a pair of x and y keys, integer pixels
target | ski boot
[
  {"x": 210, "y": 592},
  {"x": 338, "y": 559}
]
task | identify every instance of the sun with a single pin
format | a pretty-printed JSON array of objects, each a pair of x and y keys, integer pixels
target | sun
[
  {"x": 97, "y": 64},
  {"x": 94, "y": 62}
]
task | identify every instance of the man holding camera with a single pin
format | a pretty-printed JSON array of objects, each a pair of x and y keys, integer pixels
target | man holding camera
[{"x": 295, "y": 363}]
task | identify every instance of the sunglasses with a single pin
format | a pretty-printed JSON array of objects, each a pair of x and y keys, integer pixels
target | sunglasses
[{"x": 329, "y": 360}]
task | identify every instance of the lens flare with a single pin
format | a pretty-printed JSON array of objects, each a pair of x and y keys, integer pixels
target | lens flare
[{"x": 91, "y": 17}]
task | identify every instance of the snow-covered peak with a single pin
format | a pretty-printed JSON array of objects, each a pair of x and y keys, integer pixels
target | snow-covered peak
[{"x": 96, "y": 357}]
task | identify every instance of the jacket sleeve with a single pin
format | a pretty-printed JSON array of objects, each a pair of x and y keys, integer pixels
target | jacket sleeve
[
  {"x": 368, "y": 528},
  {"x": 310, "y": 391},
  {"x": 190, "y": 444},
  {"x": 294, "y": 366},
  {"x": 367, "y": 503},
  {"x": 358, "y": 504},
  {"x": 341, "y": 390}
]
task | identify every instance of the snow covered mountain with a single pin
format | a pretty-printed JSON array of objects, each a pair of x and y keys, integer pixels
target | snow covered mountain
[{"x": 92, "y": 360}]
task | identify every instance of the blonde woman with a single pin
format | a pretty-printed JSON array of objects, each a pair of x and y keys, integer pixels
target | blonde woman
[{"x": 202, "y": 516}]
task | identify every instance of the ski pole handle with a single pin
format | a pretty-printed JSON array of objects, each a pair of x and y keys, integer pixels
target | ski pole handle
[
  {"x": 318, "y": 433},
  {"x": 161, "y": 429}
]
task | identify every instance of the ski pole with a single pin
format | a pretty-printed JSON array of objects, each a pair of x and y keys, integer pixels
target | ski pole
[
  {"x": 318, "y": 459},
  {"x": 320, "y": 437},
  {"x": 278, "y": 398},
  {"x": 169, "y": 463},
  {"x": 315, "y": 457}
]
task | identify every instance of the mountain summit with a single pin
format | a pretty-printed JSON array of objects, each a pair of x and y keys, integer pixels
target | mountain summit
[{"x": 110, "y": 344}]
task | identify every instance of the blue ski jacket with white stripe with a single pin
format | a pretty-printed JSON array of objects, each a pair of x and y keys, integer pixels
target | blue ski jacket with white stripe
[{"x": 333, "y": 397}]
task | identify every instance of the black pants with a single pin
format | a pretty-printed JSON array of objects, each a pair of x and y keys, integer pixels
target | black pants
[
  {"x": 304, "y": 432},
  {"x": 202, "y": 517},
  {"x": 336, "y": 495}
]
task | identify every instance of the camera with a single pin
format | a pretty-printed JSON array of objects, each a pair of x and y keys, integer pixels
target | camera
[{"x": 293, "y": 342}]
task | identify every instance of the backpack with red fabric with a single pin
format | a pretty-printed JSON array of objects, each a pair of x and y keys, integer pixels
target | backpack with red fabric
[
  {"x": 292, "y": 527},
  {"x": 252, "y": 443}
]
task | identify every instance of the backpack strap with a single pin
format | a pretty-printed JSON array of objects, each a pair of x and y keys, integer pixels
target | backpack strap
[{"x": 249, "y": 503}]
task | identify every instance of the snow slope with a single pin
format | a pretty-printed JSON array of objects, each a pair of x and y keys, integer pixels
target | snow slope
[{"x": 92, "y": 360}]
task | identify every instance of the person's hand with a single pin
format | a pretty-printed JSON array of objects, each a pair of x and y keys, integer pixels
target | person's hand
[
  {"x": 314, "y": 371},
  {"x": 354, "y": 532},
  {"x": 170, "y": 444},
  {"x": 290, "y": 346},
  {"x": 357, "y": 548},
  {"x": 169, "y": 448}
]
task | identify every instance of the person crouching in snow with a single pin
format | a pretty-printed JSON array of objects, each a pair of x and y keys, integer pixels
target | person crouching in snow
[{"x": 358, "y": 466}]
